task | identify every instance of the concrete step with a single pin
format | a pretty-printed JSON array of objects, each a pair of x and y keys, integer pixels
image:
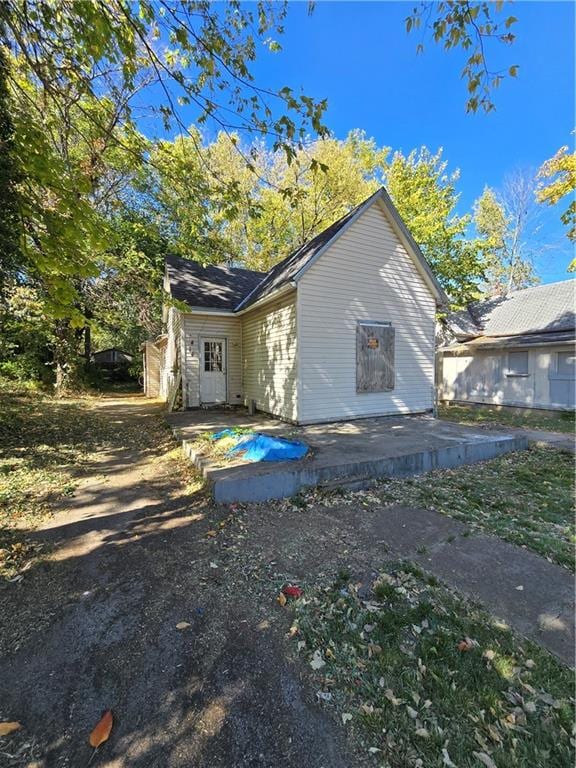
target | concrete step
[{"x": 265, "y": 481}]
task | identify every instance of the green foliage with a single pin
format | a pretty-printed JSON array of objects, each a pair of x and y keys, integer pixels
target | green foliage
[
  {"x": 469, "y": 27},
  {"x": 26, "y": 338},
  {"x": 9, "y": 222},
  {"x": 425, "y": 194},
  {"x": 281, "y": 205},
  {"x": 558, "y": 175},
  {"x": 503, "y": 223},
  {"x": 125, "y": 300},
  {"x": 205, "y": 58}
]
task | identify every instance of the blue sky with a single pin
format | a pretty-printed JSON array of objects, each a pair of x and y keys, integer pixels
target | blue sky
[{"x": 359, "y": 56}]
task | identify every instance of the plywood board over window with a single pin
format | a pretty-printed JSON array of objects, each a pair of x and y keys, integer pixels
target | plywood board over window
[{"x": 374, "y": 357}]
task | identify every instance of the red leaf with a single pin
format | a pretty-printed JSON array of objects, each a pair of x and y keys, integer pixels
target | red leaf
[
  {"x": 101, "y": 732},
  {"x": 294, "y": 592}
]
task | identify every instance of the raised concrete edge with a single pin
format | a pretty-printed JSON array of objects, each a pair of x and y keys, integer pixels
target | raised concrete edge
[{"x": 283, "y": 482}]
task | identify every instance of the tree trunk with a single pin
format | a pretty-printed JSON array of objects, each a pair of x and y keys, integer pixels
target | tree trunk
[
  {"x": 64, "y": 350},
  {"x": 87, "y": 344}
]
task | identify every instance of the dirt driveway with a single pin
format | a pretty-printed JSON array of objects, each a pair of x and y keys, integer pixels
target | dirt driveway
[
  {"x": 136, "y": 553},
  {"x": 94, "y": 627}
]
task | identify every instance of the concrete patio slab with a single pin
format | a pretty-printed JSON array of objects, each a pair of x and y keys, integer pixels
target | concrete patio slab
[{"x": 346, "y": 454}]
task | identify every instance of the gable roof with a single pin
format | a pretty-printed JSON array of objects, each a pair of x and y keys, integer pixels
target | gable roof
[
  {"x": 210, "y": 286},
  {"x": 294, "y": 265},
  {"x": 227, "y": 288},
  {"x": 542, "y": 309}
]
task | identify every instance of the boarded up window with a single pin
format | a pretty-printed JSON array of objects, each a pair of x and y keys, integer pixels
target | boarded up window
[{"x": 374, "y": 357}]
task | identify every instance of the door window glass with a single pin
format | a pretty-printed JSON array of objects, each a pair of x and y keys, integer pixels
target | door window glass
[{"x": 213, "y": 356}]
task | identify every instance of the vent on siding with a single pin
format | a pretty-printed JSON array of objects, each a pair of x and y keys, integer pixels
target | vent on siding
[{"x": 374, "y": 357}]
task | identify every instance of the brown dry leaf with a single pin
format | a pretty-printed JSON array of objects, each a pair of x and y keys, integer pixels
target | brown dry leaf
[
  {"x": 466, "y": 645},
  {"x": 101, "y": 732},
  {"x": 281, "y": 599},
  {"x": 6, "y": 728},
  {"x": 211, "y": 534},
  {"x": 485, "y": 759},
  {"x": 389, "y": 694},
  {"x": 182, "y": 625}
]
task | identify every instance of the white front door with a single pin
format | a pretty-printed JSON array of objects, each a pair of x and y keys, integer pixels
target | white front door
[{"x": 213, "y": 370}]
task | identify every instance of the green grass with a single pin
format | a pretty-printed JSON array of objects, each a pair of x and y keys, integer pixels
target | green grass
[
  {"x": 394, "y": 671},
  {"x": 44, "y": 445},
  {"x": 554, "y": 421},
  {"x": 526, "y": 498}
]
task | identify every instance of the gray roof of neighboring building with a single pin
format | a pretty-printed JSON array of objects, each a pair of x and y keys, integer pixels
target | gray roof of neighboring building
[
  {"x": 210, "y": 286},
  {"x": 515, "y": 342},
  {"x": 542, "y": 309},
  {"x": 219, "y": 287}
]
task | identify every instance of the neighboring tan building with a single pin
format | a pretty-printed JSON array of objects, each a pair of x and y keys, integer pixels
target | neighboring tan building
[
  {"x": 343, "y": 328},
  {"x": 515, "y": 350}
]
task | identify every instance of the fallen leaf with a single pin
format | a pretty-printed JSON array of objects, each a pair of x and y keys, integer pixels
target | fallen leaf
[
  {"x": 281, "y": 599},
  {"x": 446, "y": 759},
  {"x": 182, "y": 625},
  {"x": 422, "y": 732},
  {"x": 485, "y": 759},
  {"x": 211, "y": 533},
  {"x": 317, "y": 660},
  {"x": 291, "y": 591},
  {"x": 324, "y": 695},
  {"x": 530, "y": 663},
  {"x": 373, "y": 750},
  {"x": 6, "y": 728},
  {"x": 412, "y": 713},
  {"x": 101, "y": 732},
  {"x": 520, "y": 588},
  {"x": 466, "y": 645},
  {"x": 346, "y": 716},
  {"x": 389, "y": 694}
]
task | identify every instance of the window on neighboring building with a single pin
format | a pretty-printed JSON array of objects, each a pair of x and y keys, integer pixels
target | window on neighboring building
[
  {"x": 517, "y": 364},
  {"x": 566, "y": 364}
]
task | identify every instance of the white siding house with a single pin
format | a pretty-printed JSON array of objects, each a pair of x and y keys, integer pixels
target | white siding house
[
  {"x": 366, "y": 275},
  {"x": 516, "y": 350},
  {"x": 343, "y": 328},
  {"x": 269, "y": 357}
]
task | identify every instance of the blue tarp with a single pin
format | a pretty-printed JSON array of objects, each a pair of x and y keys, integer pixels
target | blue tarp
[{"x": 255, "y": 446}]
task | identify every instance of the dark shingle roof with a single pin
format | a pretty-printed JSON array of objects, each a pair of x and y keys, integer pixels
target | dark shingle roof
[
  {"x": 235, "y": 289},
  {"x": 542, "y": 309},
  {"x": 210, "y": 287}
]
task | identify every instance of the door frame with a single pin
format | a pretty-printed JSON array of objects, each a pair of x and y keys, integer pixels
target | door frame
[{"x": 224, "y": 340}]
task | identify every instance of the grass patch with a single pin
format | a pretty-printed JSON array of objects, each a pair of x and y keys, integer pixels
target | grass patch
[
  {"x": 554, "y": 421},
  {"x": 526, "y": 498},
  {"x": 422, "y": 678},
  {"x": 46, "y": 446}
]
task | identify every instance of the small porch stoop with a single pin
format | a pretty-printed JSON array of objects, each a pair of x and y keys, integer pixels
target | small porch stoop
[{"x": 350, "y": 455}]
